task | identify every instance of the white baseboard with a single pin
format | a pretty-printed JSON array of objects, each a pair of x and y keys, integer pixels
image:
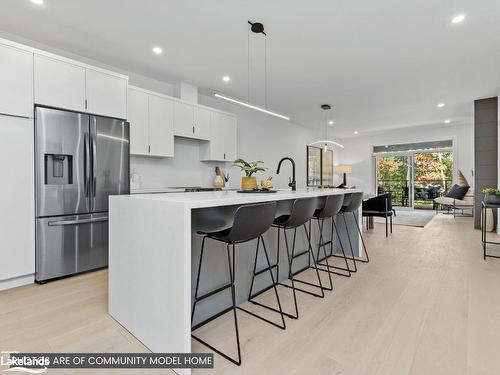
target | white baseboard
[{"x": 17, "y": 281}]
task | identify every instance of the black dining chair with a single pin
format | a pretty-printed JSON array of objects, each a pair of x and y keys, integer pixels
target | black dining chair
[
  {"x": 250, "y": 222},
  {"x": 380, "y": 206}
]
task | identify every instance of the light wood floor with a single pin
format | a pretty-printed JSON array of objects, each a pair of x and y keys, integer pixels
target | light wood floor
[{"x": 426, "y": 304}]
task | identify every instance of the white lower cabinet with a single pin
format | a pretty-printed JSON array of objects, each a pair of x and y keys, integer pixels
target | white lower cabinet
[
  {"x": 223, "y": 139},
  {"x": 151, "y": 120},
  {"x": 17, "y": 241}
]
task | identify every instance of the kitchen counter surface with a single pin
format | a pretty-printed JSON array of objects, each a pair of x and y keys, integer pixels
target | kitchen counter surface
[{"x": 226, "y": 198}]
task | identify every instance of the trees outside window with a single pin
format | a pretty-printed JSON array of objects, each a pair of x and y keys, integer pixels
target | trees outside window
[{"x": 416, "y": 177}]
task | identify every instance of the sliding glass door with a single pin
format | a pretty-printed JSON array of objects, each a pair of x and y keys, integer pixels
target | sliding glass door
[
  {"x": 414, "y": 178},
  {"x": 394, "y": 176},
  {"x": 432, "y": 176}
]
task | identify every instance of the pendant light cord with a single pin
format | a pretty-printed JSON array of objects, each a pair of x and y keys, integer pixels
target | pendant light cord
[
  {"x": 265, "y": 70},
  {"x": 248, "y": 65}
]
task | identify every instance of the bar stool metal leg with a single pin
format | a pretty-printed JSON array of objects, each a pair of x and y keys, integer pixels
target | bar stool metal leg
[
  {"x": 322, "y": 244},
  {"x": 291, "y": 273},
  {"x": 326, "y": 264},
  {"x": 250, "y": 296},
  {"x": 367, "y": 260},
  {"x": 233, "y": 307},
  {"x": 256, "y": 273},
  {"x": 290, "y": 262},
  {"x": 355, "y": 269}
]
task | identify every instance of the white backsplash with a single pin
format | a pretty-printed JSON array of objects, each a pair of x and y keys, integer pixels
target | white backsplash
[{"x": 185, "y": 169}]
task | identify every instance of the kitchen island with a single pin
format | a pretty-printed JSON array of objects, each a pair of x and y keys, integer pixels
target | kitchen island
[{"x": 154, "y": 251}]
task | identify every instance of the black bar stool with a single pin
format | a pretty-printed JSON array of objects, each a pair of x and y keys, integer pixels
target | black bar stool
[
  {"x": 352, "y": 202},
  {"x": 331, "y": 208},
  {"x": 302, "y": 211},
  {"x": 250, "y": 222}
]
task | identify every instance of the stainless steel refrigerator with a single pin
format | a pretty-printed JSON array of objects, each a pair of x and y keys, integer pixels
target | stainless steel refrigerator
[{"x": 80, "y": 160}]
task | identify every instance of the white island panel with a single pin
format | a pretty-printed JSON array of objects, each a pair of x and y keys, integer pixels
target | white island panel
[{"x": 150, "y": 271}]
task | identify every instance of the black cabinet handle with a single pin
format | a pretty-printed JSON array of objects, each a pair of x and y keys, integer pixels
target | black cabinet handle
[{"x": 193, "y": 129}]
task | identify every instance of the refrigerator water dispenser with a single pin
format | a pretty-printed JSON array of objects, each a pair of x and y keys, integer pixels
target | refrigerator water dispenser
[{"x": 58, "y": 169}]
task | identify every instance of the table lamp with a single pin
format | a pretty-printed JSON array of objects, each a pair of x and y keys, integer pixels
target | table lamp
[{"x": 343, "y": 169}]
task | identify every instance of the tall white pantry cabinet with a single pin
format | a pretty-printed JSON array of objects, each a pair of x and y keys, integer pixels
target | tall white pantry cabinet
[{"x": 17, "y": 239}]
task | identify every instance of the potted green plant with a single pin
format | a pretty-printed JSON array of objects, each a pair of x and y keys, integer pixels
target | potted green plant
[
  {"x": 249, "y": 181},
  {"x": 491, "y": 196}
]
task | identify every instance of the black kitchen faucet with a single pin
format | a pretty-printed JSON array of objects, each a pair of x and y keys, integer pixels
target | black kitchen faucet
[{"x": 292, "y": 183}]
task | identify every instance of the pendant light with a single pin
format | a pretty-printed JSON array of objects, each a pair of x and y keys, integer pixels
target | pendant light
[
  {"x": 256, "y": 28},
  {"x": 325, "y": 142}
]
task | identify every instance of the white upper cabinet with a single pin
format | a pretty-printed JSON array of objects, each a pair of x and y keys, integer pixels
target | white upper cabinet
[
  {"x": 183, "y": 119},
  {"x": 138, "y": 116},
  {"x": 67, "y": 85},
  {"x": 191, "y": 121},
  {"x": 161, "y": 126},
  {"x": 106, "y": 94},
  {"x": 214, "y": 150},
  {"x": 223, "y": 138},
  {"x": 16, "y": 77},
  {"x": 151, "y": 120},
  {"x": 230, "y": 138},
  {"x": 202, "y": 123},
  {"x": 59, "y": 84}
]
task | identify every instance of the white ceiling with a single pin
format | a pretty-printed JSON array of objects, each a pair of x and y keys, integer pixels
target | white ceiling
[{"x": 381, "y": 64}]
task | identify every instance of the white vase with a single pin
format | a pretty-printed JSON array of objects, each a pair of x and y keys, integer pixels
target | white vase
[{"x": 490, "y": 220}]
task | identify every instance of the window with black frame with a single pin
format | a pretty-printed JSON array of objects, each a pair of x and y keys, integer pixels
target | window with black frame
[{"x": 319, "y": 166}]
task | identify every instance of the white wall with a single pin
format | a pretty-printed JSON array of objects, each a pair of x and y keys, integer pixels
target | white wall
[
  {"x": 267, "y": 138},
  {"x": 358, "y": 150}
]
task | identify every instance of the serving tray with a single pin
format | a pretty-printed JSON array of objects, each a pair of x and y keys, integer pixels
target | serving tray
[{"x": 256, "y": 191}]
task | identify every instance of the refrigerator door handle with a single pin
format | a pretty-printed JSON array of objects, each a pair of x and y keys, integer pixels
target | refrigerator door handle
[
  {"x": 76, "y": 222},
  {"x": 86, "y": 168},
  {"x": 94, "y": 159}
]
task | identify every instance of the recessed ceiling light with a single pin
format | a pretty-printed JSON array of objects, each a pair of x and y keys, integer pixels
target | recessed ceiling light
[
  {"x": 356, "y": 132},
  {"x": 157, "y": 50},
  {"x": 37, "y": 2},
  {"x": 331, "y": 122},
  {"x": 440, "y": 105},
  {"x": 226, "y": 78},
  {"x": 447, "y": 121},
  {"x": 459, "y": 18}
]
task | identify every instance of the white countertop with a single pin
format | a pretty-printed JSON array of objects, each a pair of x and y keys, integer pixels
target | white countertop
[{"x": 227, "y": 198}]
